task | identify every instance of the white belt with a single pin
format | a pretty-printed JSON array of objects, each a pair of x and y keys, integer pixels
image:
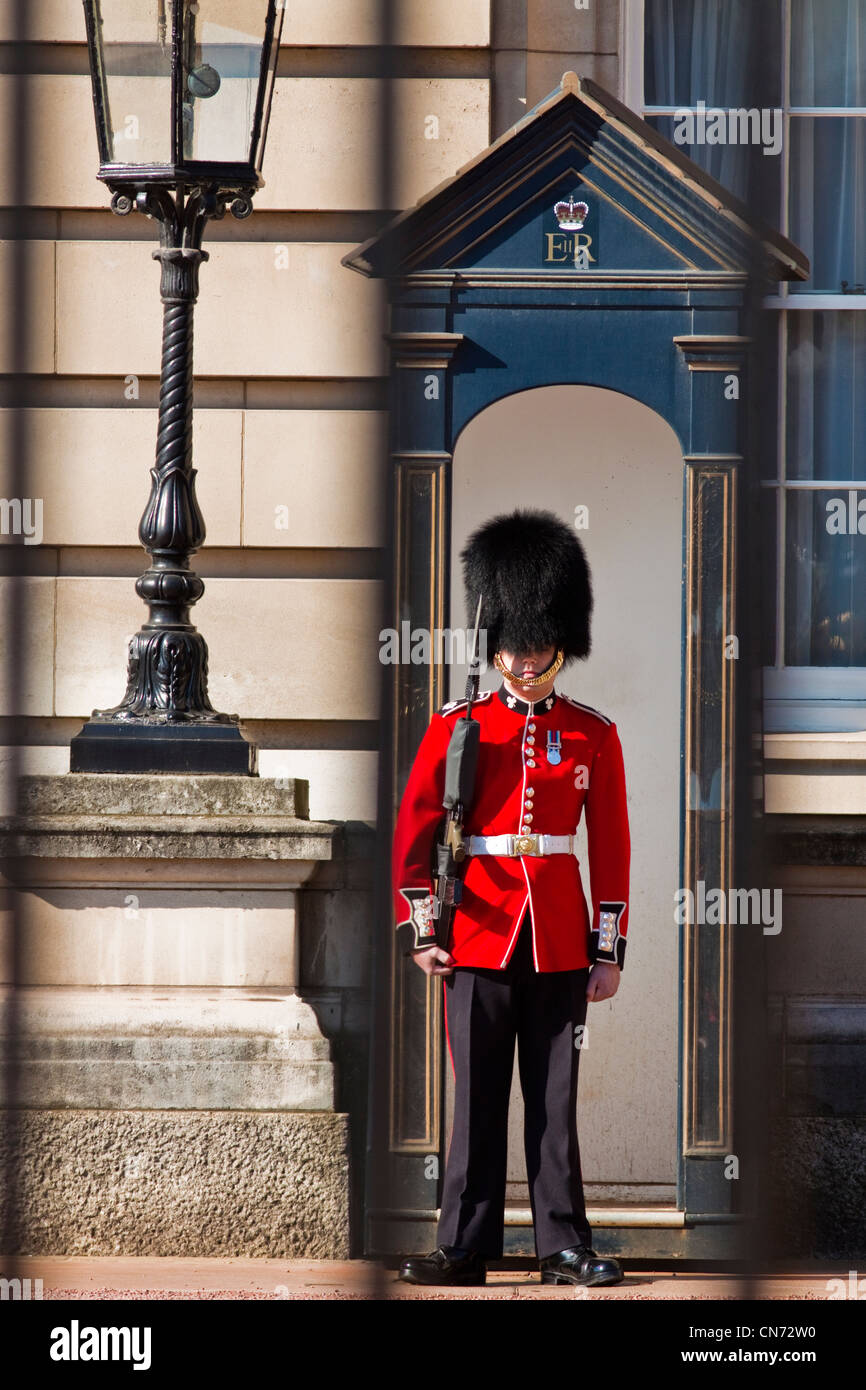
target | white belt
[{"x": 515, "y": 846}]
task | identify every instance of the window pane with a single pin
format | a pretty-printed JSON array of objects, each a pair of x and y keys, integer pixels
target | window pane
[
  {"x": 827, "y": 395},
  {"x": 723, "y": 52},
  {"x": 744, "y": 169},
  {"x": 825, "y": 579},
  {"x": 828, "y": 52},
  {"x": 828, "y": 188}
]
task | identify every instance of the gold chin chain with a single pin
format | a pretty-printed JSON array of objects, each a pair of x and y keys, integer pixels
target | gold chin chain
[{"x": 529, "y": 681}]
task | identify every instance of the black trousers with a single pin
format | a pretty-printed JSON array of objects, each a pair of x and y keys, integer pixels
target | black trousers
[{"x": 486, "y": 1011}]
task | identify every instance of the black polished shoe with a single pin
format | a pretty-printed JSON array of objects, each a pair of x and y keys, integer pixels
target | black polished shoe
[
  {"x": 579, "y": 1265},
  {"x": 447, "y": 1265}
]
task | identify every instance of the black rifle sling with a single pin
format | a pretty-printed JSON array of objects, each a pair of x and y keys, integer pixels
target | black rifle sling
[{"x": 461, "y": 764}]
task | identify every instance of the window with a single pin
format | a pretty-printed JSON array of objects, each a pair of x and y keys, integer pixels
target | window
[{"x": 805, "y": 61}]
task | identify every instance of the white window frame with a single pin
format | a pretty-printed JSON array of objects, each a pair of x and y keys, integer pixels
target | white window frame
[
  {"x": 631, "y": 47},
  {"x": 796, "y": 698}
]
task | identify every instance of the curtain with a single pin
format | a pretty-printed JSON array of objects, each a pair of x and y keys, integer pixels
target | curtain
[
  {"x": 713, "y": 51},
  {"x": 825, "y": 581},
  {"x": 828, "y": 46},
  {"x": 825, "y": 598},
  {"x": 726, "y": 54},
  {"x": 828, "y": 213}
]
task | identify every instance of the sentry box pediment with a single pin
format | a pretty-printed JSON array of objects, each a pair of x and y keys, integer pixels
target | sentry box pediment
[{"x": 580, "y": 184}]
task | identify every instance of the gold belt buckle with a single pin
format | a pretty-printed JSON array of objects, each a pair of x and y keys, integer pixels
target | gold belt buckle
[{"x": 526, "y": 844}]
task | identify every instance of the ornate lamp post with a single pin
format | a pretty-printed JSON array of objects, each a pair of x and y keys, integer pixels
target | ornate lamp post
[{"x": 182, "y": 94}]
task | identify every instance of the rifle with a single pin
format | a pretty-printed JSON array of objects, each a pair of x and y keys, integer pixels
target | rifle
[{"x": 461, "y": 763}]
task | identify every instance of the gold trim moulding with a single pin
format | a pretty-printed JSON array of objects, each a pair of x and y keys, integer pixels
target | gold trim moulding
[
  {"x": 421, "y": 455},
  {"x": 571, "y": 279},
  {"x": 713, "y": 458},
  {"x": 712, "y": 352},
  {"x": 424, "y": 350}
]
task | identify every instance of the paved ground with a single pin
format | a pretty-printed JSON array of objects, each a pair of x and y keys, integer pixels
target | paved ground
[{"x": 84, "y": 1277}]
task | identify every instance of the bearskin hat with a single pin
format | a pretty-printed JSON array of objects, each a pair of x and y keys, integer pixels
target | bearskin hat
[{"x": 531, "y": 569}]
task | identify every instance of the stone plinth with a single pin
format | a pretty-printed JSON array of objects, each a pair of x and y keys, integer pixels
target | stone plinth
[{"x": 155, "y": 1023}]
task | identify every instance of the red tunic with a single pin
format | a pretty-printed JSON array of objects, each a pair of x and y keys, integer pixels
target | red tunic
[{"x": 520, "y": 788}]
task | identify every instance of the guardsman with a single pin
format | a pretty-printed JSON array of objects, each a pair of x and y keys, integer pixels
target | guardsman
[{"x": 525, "y": 955}]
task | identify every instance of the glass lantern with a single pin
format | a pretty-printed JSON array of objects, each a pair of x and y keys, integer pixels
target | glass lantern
[{"x": 182, "y": 88}]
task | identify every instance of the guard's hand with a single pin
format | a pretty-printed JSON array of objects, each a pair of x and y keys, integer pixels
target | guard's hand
[
  {"x": 603, "y": 981},
  {"x": 434, "y": 961}
]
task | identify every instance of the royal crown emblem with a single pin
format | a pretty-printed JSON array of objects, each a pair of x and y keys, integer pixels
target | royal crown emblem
[{"x": 571, "y": 215}]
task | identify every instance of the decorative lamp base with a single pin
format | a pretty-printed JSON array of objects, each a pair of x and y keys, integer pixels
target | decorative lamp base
[{"x": 106, "y": 745}]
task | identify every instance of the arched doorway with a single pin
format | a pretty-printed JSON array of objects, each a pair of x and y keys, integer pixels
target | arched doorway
[{"x": 615, "y": 468}]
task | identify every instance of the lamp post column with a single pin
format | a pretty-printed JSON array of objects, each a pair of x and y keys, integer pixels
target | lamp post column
[{"x": 165, "y": 720}]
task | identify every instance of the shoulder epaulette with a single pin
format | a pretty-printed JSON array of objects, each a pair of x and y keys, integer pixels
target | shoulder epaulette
[
  {"x": 459, "y": 704},
  {"x": 587, "y": 708}
]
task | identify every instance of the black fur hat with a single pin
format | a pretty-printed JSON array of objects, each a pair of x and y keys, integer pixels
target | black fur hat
[{"x": 532, "y": 571}]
